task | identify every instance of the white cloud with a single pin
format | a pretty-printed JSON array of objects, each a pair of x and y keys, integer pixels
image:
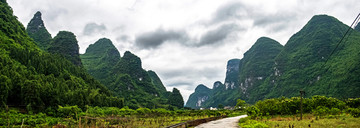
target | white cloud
[{"x": 174, "y": 55}]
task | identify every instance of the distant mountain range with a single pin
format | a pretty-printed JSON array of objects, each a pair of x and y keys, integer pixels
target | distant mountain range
[{"x": 270, "y": 70}]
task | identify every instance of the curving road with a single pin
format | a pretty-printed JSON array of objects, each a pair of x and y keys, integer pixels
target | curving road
[{"x": 231, "y": 122}]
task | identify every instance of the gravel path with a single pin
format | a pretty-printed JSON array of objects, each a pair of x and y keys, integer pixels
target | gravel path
[{"x": 231, "y": 122}]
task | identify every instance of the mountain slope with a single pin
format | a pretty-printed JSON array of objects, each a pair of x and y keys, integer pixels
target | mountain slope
[
  {"x": 99, "y": 57},
  {"x": 159, "y": 86},
  {"x": 39, "y": 80},
  {"x": 301, "y": 64},
  {"x": 125, "y": 77},
  {"x": 37, "y": 31},
  {"x": 65, "y": 44},
  {"x": 257, "y": 66}
]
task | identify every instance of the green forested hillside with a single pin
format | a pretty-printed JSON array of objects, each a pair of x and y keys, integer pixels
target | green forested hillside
[
  {"x": 125, "y": 77},
  {"x": 159, "y": 86},
  {"x": 99, "y": 57},
  {"x": 256, "y": 67},
  {"x": 243, "y": 77},
  {"x": 269, "y": 70},
  {"x": 38, "y": 80},
  {"x": 301, "y": 65}
]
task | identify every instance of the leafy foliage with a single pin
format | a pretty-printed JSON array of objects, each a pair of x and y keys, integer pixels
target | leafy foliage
[{"x": 318, "y": 105}]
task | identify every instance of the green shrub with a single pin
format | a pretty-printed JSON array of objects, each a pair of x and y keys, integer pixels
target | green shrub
[
  {"x": 335, "y": 111},
  {"x": 253, "y": 112},
  {"x": 143, "y": 111},
  {"x": 355, "y": 112},
  {"x": 321, "y": 111},
  {"x": 69, "y": 111}
]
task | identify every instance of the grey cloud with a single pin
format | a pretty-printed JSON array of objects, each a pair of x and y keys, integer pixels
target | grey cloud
[
  {"x": 154, "y": 39},
  {"x": 275, "y": 22},
  {"x": 229, "y": 11},
  {"x": 238, "y": 11},
  {"x": 123, "y": 38},
  {"x": 179, "y": 84},
  {"x": 219, "y": 34},
  {"x": 53, "y": 14},
  {"x": 93, "y": 28}
]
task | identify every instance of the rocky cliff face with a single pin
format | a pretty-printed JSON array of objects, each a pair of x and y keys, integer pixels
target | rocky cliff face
[
  {"x": 232, "y": 74},
  {"x": 37, "y": 31},
  {"x": 200, "y": 96}
]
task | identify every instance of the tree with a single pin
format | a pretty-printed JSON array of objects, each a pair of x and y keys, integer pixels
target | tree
[{"x": 240, "y": 104}]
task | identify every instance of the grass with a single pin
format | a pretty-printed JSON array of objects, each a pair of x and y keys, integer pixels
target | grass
[
  {"x": 309, "y": 120},
  {"x": 143, "y": 122}
]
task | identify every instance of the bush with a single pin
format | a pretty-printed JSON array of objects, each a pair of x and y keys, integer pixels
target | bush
[
  {"x": 335, "y": 111},
  {"x": 355, "y": 112},
  {"x": 143, "y": 111},
  {"x": 69, "y": 111},
  {"x": 321, "y": 111},
  {"x": 253, "y": 112}
]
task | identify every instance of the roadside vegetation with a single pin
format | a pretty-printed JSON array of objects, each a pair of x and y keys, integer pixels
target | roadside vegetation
[
  {"x": 320, "y": 111},
  {"x": 73, "y": 116}
]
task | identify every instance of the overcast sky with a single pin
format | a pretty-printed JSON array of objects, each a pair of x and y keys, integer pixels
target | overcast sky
[{"x": 186, "y": 42}]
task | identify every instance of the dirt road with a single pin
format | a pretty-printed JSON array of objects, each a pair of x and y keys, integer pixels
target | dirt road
[{"x": 231, "y": 122}]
